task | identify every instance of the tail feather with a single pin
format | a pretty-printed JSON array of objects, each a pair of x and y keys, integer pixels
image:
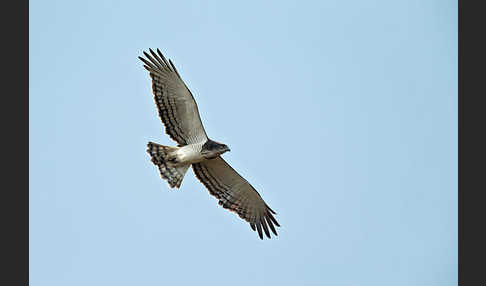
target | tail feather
[{"x": 160, "y": 156}]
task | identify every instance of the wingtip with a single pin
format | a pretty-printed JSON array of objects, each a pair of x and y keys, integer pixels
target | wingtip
[
  {"x": 265, "y": 227},
  {"x": 259, "y": 228},
  {"x": 270, "y": 224},
  {"x": 273, "y": 219}
]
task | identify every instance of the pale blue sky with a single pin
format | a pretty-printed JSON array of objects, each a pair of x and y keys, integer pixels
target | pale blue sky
[{"x": 342, "y": 114}]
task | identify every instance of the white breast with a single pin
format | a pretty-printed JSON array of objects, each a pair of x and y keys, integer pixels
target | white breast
[{"x": 190, "y": 154}]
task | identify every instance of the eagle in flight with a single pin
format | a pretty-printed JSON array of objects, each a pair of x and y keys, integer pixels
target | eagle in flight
[{"x": 179, "y": 113}]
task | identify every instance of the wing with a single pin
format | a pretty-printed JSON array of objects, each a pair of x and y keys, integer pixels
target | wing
[
  {"x": 236, "y": 194},
  {"x": 175, "y": 104}
]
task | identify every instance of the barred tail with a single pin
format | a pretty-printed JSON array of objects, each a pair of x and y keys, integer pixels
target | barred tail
[{"x": 160, "y": 156}]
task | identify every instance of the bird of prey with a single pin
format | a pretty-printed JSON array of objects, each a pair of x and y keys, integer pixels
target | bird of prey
[{"x": 179, "y": 113}]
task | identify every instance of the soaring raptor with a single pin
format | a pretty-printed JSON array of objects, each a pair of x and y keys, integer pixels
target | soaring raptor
[{"x": 180, "y": 115}]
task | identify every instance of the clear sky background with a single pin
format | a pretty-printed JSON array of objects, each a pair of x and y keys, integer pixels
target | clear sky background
[{"x": 342, "y": 114}]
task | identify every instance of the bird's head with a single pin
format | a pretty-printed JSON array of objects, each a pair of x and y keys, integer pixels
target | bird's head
[
  {"x": 224, "y": 148},
  {"x": 212, "y": 149}
]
